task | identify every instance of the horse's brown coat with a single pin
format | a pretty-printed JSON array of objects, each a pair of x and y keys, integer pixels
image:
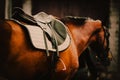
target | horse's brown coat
[{"x": 20, "y": 61}]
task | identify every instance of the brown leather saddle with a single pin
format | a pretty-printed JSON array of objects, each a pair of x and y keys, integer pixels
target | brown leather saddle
[{"x": 53, "y": 29}]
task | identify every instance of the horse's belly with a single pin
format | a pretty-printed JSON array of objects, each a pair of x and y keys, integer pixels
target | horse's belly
[{"x": 67, "y": 64}]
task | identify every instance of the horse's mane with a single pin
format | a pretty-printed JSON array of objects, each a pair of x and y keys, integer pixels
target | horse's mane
[{"x": 74, "y": 20}]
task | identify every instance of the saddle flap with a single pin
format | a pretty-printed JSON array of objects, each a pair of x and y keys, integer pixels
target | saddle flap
[
  {"x": 20, "y": 15},
  {"x": 59, "y": 31}
]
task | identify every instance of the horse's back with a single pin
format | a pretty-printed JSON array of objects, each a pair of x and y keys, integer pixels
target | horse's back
[{"x": 21, "y": 61}]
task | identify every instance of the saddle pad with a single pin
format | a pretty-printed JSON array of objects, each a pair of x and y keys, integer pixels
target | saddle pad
[{"x": 37, "y": 39}]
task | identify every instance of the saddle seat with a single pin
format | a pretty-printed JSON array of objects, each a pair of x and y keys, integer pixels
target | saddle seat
[{"x": 37, "y": 25}]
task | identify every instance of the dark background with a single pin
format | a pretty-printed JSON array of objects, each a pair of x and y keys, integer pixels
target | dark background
[{"x": 96, "y": 9}]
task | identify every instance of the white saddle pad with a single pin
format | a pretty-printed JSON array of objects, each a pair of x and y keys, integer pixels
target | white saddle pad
[{"x": 37, "y": 39}]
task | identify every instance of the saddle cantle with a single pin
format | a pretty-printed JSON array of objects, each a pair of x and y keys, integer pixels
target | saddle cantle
[
  {"x": 20, "y": 15},
  {"x": 45, "y": 30}
]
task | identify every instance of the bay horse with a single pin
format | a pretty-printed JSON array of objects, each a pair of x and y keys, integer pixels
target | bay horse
[
  {"x": 19, "y": 60},
  {"x": 93, "y": 64}
]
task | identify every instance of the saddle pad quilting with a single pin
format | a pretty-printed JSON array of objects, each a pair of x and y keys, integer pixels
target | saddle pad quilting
[{"x": 37, "y": 39}]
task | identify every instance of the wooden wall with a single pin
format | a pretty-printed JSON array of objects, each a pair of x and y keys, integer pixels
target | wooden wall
[
  {"x": 115, "y": 38},
  {"x": 96, "y": 9}
]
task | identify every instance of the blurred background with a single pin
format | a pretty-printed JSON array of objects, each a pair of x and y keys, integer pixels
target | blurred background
[{"x": 106, "y": 10}]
